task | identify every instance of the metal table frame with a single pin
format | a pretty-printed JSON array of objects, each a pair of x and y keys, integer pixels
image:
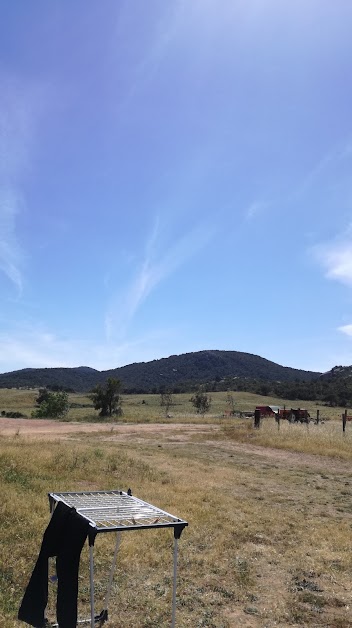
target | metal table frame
[{"x": 117, "y": 511}]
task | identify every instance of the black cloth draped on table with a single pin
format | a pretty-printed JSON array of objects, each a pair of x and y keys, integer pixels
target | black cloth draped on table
[{"x": 63, "y": 538}]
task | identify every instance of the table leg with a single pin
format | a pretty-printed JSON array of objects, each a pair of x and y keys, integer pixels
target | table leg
[
  {"x": 174, "y": 584},
  {"x": 91, "y": 575}
]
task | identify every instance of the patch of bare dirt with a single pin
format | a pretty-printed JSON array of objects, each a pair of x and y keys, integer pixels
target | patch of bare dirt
[
  {"x": 56, "y": 429},
  {"x": 281, "y": 457},
  {"x": 166, "y": 433}
]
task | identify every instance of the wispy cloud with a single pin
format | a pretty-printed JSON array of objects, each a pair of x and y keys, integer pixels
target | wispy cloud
[
  {"x": 336, "y": 257},
  {"x": 35, "y": 347},
  {"x": 32, "y": 347},
  {"x": 346, "y": 329},
  {"x": 14, "y": 135},
  {"x": 326, "y": 163},
  {"x": 160, "y": 260},
  {"x": 11, "y": 256},
  {"x": 255, "y": 208},
  {"x": 19, "y": 109},
  {"x": 337, "y": 154},
  {"x": 151, "y": 49}
]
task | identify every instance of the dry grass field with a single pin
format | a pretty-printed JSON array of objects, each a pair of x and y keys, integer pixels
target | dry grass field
[
  {"x": 269, "y": 512},
  {"x": 147, "y": 408}
]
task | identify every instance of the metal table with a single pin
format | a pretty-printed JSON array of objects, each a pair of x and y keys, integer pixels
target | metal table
[{"x": 117, "y": 511}]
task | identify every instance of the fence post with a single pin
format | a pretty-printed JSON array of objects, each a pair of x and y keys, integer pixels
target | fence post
[
  {"x": 318, "y": 411},
  {"x": 257, "y": 419},
  {"x": 344, "y": 419}
]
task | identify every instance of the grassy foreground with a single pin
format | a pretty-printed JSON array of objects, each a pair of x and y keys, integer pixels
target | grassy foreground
[{"x": 268, "y": 542}]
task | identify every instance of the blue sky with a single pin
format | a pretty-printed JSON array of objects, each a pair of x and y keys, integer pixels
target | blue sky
[{"x": 175, "y": 176}]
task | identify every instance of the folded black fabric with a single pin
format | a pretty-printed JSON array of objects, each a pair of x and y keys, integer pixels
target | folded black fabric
[{"x": 63, "y": 538}]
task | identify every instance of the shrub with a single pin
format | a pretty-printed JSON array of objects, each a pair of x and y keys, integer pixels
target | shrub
[{"x": 55, "y": 406}]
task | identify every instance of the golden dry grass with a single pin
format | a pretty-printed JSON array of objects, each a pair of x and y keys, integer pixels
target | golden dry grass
[
  {"x": 325, "y": 439},
  {"x": 146, "y": 408},
  {"x": 270, "y": 514},
  {"x": 268, "y": 542}
]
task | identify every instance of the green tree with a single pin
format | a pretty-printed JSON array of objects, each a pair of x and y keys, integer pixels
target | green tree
[
  {"x": 264, "y": 389},
  {"x": 201, "y": 401},
  {"x": 42, "y": 396},
  {"x": 230, "y": 400},
  {"x": 166, "y": 401},
  {"x": 106, "y": 398},
  {"x": 53, "y": 406}
]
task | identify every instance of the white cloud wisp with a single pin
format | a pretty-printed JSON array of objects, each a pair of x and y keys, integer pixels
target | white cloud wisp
[
  {"x": 35, "y": 347},
  {"x": 336, "y": 258},
  {"x": 11, "y": 256},
  {"x": 155, "y": 268},
  {"x": 21, "y": 104},
  {"x": 346, "y": 329}
]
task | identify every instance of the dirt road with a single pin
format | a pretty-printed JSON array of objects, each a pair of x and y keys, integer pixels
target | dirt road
[{"x": 167, "y": 433}]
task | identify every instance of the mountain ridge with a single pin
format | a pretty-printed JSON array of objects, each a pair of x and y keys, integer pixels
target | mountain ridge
[{"x": 187, "y": 368}]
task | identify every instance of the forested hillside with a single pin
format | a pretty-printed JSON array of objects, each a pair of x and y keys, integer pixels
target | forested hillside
[
  {"x": 176, "y": 372},
  {"x": 216, "y": 370}
]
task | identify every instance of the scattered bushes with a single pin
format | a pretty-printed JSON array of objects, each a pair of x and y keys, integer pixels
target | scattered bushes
[
  {"x": 106, "y": 398},
  {"x": 201, "y": 401},
  {"x": 12, "y": 414},
  {"x": 55, "y": 405}
]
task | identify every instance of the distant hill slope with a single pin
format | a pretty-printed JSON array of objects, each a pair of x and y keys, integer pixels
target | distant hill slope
[
  {"x": 79, "y": 379},
  {"x": 205, "y": 366},
  {"x": 201, "y": 366},
  {"x": 338, "y": 372}
]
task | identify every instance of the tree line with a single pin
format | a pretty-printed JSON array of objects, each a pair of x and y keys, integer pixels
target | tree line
[
  {"x": 329, "y": 391},
  {"x": 106, "y": 398}
]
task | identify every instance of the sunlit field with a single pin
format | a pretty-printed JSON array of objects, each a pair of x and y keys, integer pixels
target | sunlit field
[
  {"x": 326, "y": 439},
  {"x": 145, "y": 408},
  {"x": 269, "y": 512}
]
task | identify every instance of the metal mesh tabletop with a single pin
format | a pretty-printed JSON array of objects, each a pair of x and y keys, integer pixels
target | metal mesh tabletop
[
  {"x": 109, "y": 511},
  {"x": 117, "y": 510}
]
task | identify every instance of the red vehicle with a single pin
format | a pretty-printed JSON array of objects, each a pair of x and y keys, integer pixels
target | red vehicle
[
  {"x": 268, "y": 410},
  {"x": 295, "y": 415}
]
